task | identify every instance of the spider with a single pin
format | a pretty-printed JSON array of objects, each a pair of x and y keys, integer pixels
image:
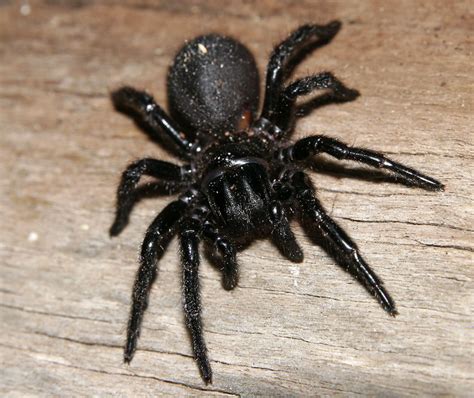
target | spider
[{"x": 243, "y": 178}]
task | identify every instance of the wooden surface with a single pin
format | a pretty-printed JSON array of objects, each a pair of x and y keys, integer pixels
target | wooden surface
[{"x": 287, "y": 330}]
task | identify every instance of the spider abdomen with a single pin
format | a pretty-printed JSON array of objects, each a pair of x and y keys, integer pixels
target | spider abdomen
[{"x": 213, "y": 84}]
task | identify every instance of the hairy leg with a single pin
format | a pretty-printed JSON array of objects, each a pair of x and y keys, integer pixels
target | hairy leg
[
  {"x": 309, "y": 146},
  {"x": 156, "y": 240},
  {"x": 284, "y": 116},
  {"x": 278, "y": 65},
  {"x": 342, "y": 245},
  {"x": 144, "y": 106},
  {"x": 189, "y": 237},
  {"x": 130, "y": 178}
]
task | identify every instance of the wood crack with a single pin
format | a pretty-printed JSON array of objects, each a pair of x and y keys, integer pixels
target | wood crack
[
  {"x": 144, "y": 349},
  {"x": 168, "y": 381},
  {"x": 453, "y": 227},
  {"x": 54, "y": 314}
]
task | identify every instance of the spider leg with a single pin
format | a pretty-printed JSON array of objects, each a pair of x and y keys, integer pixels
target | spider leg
[
  {"x": 227, "y": 250},
  {"x": 309, "y": 146},
  {"x": 189, "y": 237},
  {"x": 313, "y": 213},
  {"x": 277, "y": 68},
  {"x": 304, "y": 86},
  {"x": 143, "y": 105},
  {"x": 130, "y": 178},
  {"x": 283, "y": 236},
  {"x": 156, "y": 240}
]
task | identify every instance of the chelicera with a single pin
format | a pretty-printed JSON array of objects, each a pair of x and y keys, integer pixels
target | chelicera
[{"x": 243, "y": 179}]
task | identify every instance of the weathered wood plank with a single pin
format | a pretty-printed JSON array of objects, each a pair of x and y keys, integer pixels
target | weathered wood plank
[{"x": 287, "y": 330}]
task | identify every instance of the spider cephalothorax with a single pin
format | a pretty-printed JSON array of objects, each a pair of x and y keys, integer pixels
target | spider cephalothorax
[{"x": 244, "y": 179}]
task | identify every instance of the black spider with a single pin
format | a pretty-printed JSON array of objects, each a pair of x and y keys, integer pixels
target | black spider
[{"x": 244, "y": 179}]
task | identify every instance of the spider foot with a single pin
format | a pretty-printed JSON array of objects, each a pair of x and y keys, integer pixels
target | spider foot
[
  {"x": 129, "y": 352},
  {"x": 345, "y": 94},
  {"x": 384, "y": 298},
  {"x": 330, "y": 30},
  {"x": 205, "y": 369},
  {"x": 230, "y": 279},
  {"x": 117, "y": 227}
]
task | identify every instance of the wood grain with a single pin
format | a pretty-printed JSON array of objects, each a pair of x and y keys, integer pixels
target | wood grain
[{"x": 287, "y": 330}]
